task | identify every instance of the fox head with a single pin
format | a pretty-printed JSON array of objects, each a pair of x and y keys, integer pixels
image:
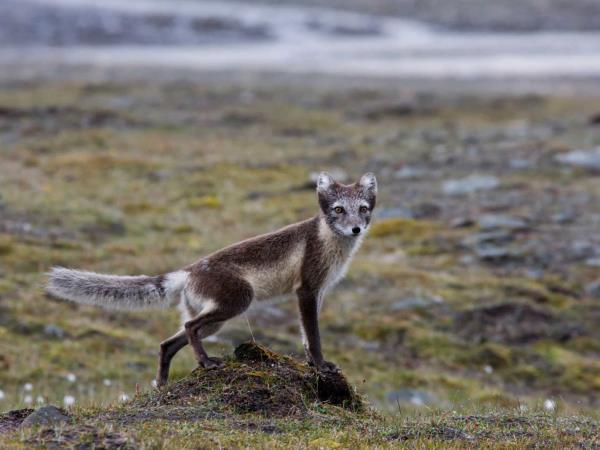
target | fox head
[{"x": 347, "y": 208}]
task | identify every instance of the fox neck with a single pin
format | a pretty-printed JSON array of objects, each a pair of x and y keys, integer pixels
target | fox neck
[{"x": 336, "y": 245}]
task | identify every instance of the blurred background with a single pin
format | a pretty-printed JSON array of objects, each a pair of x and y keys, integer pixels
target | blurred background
[{"x": 137, "y": 136}]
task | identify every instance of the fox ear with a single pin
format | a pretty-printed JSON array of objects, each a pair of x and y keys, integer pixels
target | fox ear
[
  {"x": 324, "y": 182},
  {"x": 369, "y": 183}
]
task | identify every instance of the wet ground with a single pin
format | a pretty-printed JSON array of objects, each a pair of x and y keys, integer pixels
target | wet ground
[{"x": 290, "y": 39}]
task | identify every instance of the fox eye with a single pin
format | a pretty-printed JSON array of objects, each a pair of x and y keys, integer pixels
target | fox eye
[
  {"x": 338, "y": 209},
  {"x": 363, "y": 209}
]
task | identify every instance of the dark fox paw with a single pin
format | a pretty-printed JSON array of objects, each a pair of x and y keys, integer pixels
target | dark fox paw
[
  {"x": 212, "y": 363},
  {"x": 324, "y": 366},
  {"x": 328, "y": 367}
]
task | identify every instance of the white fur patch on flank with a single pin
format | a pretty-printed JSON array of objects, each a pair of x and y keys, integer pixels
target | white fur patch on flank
[
  {"x": 192, "y": 305},
  {"x": 174, "y": 282},
  {"x": 281, "y": 278}
]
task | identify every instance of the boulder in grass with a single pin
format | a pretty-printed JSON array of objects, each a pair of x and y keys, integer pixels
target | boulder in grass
[{"x": 47, "y": 416}]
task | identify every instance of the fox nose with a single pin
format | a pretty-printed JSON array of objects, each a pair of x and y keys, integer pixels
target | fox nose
[{"x": 356, "y": 230}]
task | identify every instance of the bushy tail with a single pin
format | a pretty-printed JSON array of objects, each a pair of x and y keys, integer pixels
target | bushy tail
[{"x": 116, "y": 292}]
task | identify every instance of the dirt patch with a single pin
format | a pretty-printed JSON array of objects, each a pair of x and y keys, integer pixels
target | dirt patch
[
  {"x": 255, "y": 380},
  {"x": 12, "y": 419},
  {"x": 513, "y": 323},
  {"x": 37, "y": 120}
]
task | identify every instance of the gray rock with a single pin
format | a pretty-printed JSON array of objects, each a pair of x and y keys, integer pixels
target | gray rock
[
  {"x": 412, "y": 396},
  {"x": 470, "y": 184},
  {"x": 593, "y": 289},
  {"x": 426, "y": 210},
  {"x": 462, "y": 222},
  {"x": 588, "y": 159},
  {"x": 494, "y": 254},
  {"x": 394, "y": 213},
  {"x": 46, "y": 415},
  {"x": 409, "y": 173},
  {"x": 520, "y": 164},
  {"x": 593, "y": 262},
  {"x": 581, "y": 249},
  {"x": 563, "y": 218},
  {"x": 467, "y": 260},
  {"x": 489, "y": 222},
  {"x": 415, "y": 302},
  {"x": 54, "y": 331},
  {"x": 490, "y": 237}
]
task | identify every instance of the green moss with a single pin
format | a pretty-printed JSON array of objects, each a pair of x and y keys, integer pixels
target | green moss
[
  {"x": 6, "y": 245},
  {"x": 494, "y": 355},
  {"x": 206, "y": 201},
  {"x": 403, "y": 228}
]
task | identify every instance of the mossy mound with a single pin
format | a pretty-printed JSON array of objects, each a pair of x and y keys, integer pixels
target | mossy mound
[{"x": 256, "y": 380}]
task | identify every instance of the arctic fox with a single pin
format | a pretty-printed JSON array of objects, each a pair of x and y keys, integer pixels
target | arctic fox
[{"x": 307, "y": 258}]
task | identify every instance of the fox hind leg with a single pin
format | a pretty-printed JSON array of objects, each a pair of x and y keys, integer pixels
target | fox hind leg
[
  {"x": 195, "y": 338},
  {"x": 168, "y": 349},
  {"x": 230, "y": 295}
]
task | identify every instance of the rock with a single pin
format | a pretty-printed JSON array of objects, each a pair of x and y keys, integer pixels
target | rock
[
  {"x": 563, "y": 218},
  {"x": 587, "y": 159},
  {"x": 490, "y": 237},
  {"x": 54, "y": 331},
  {"x": 394, "y": 213},
  {"x": 46, "y": 415},
  {"x": 409, "y": 173},
  {"x": 489, "y": 222},
  {"x": 593, "y": 289},
  {"x": 581, "y": 249},
  {"x": 595, "y": 119},
  {"x": 415, "y": 302},
  {"x": 494, "y": 254},
  {"x": 412, "y": 396},
  {"x": 345, "y": 26},
  {"x": 426, "y": 210},
  {"x": 593, "y": 262},
  {"x": 462, "y": 222},
  {"x": 470, "y": 184},
  {"x": 520, "y": 164},
  {"x": 467, "y": 260}
]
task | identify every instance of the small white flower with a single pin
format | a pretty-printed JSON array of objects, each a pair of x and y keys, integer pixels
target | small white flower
[
  {"x": 549, "y": 404},
  {"x": 2, "y": 395},
  {"x": 107, "y": 382},
  {"x": 71, "y": 377},
  {"x": 154, "y": 383},
  {"x": 28, "y": 386},
  {"x": 68, "y": 400},
  {"x": 40, "y": 399},
  {"x": 523, "y": 408},
  {"x": 124, "y": 397},
  {"x": 28, "y": 400},
  {"x": 488, "y": 369}
]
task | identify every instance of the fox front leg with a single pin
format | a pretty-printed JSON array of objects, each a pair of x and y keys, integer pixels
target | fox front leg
[{"x": 309, "y": 312}]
